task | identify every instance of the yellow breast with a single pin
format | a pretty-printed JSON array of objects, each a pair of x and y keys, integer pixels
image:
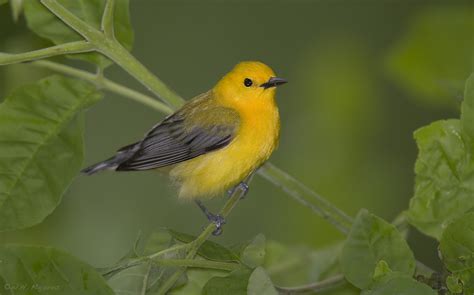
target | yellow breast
[{"x": 212, "y": 174}]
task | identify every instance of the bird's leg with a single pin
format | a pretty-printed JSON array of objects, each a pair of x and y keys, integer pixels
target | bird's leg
[
  {"x": 218, "y": 220},
  {"x": 241, "y": 185}
]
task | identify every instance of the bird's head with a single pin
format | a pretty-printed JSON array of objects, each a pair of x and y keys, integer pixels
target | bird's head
[{"x": 249, "y": 82}]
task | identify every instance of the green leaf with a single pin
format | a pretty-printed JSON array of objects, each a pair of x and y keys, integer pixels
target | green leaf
[
  {"x": 398, "y": 284},
  {"x": 234, "y": 284},
  {"x": 444, "y": 183},
  {"x": 454, "y": 284},
  {"x": 435, "y": 76},
  {"x": 457, "y": 250},
  {"x": 254, "y": 254},
  {"x": 467, "y": 108},
  {"x": 41, "y": 147},
  {"x": 156, "y": 241},
  {"x": 133, "y": 280},
  {"x": 381, "y": 270},
  {"x": 45, "y": 24},
  {"x": 260, "y": 283},
  {"x": 197, "y": 279},
  {"x": 298, "y": 265},
  {"x": 44, "y": 270},
  {"x": 3, "y": 2},
  {"x": 147, "y": 275},
  {"x": 372, "y": 239},
  {"x": 209, "y": 250}
]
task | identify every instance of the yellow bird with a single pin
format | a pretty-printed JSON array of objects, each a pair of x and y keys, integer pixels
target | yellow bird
[{"x": 214, "y": 141}]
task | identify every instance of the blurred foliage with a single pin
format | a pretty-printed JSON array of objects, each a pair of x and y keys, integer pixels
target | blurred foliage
[{"x": 436, "y": 55}]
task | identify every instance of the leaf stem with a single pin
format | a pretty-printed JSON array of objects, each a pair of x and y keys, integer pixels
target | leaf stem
[
  {"x": 198, "y": 263},
  {"x": 66, "y": 48},
  {"x": 116, "y": 52},
  {"x": 107, "y": 24},
  {"x": 168, "y": 250},
  {"x": 188, "y": 262},
  {"x": 105, "y": 84},
  {"x": 307, "y": 197},
  {"x": 324, "y": 285},
  {"x": 136, "y": 261}
]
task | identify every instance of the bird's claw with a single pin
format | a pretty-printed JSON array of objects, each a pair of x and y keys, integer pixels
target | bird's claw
[
  {"x": 218, "y": 221},
  {"x": 243, "y": 186}
]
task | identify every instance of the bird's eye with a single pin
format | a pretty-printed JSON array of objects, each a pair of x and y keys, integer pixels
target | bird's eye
[{"x": 248, "y": 82}]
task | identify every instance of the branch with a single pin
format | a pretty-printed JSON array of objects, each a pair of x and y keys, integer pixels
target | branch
[
  {"x": 105, "y": 84},
  {"x": 116, "y": 52},
  {"x": 66, "y": 48},
  {"x": 324, "y": 285},
  {"x": 107, "y": 24},
  {"x": 198, "y": 263},
  {"x": 307, "y": 197}
]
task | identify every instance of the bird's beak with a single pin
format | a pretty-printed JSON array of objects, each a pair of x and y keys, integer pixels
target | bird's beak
[{"x": 273, "y": 82}]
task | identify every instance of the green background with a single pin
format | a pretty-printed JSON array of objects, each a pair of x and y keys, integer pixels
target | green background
[{"x": 363, "y": 76}]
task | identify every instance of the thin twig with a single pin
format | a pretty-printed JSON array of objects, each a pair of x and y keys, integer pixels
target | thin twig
[
  {"x": 107, "y": 24},
  {"x": 198, "y": 263},
  {"x": 105, "y": 84},
  {"x": 66, "y": 48},
  {"x": 307, "y": 197},
  {"x": 136, "y": 261},
  {"x": 324, "y": 285}
]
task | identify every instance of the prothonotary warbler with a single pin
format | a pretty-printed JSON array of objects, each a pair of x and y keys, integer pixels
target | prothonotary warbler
[{"x": 215, "y": 140}]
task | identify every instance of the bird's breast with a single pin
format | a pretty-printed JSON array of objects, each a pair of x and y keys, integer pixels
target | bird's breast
[{"x": 213, "y": 173}]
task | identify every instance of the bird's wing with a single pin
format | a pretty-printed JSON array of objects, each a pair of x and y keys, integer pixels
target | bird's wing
[{"x": 198, "y": 128}]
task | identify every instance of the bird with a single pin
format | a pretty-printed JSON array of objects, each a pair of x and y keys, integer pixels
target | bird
[{"x": 215, "y": 141}]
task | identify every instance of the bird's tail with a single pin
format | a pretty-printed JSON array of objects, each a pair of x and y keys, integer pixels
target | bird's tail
[
  {"x": 122, "y": 155},
  {"x": 109, "y": 164}
]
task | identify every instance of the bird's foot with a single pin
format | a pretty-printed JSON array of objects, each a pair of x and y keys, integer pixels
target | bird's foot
[
  {"x": 218, "y": 221},
  {"x": 242, "y": 186}
]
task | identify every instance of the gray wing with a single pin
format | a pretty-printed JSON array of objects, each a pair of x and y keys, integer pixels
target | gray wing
[{"x": 180, "y": 138}]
